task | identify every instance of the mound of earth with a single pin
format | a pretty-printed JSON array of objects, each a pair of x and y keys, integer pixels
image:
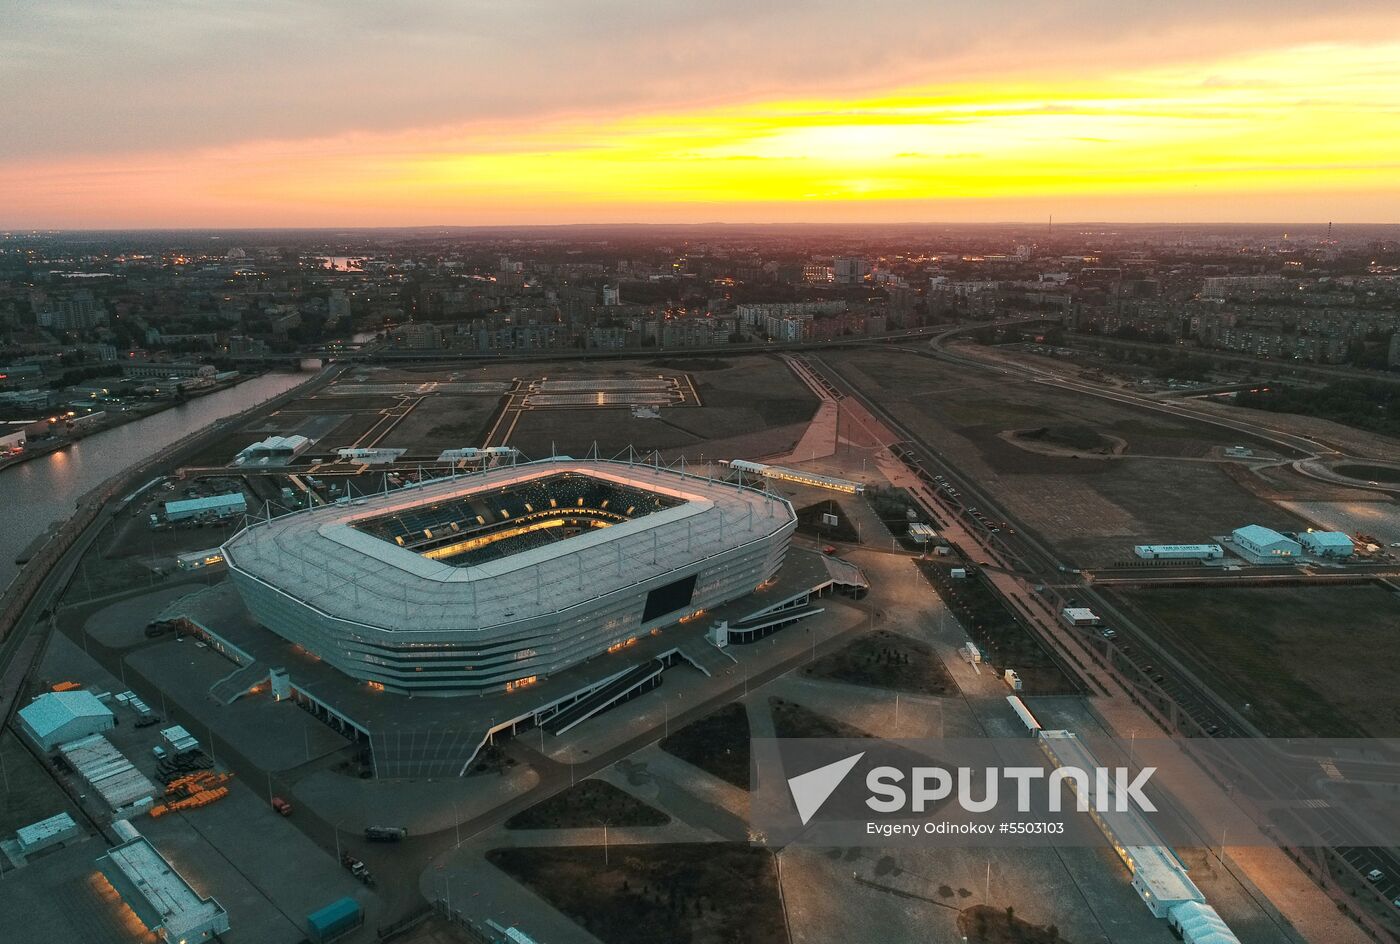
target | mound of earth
[{"x": 1065, "y": 440}]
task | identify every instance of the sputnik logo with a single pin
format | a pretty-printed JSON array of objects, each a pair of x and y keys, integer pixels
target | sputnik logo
[{"x": 811, "y": 790}]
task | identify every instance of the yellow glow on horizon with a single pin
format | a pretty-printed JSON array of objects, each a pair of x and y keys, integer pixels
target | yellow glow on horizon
[{"x": 1316, "y": 119}]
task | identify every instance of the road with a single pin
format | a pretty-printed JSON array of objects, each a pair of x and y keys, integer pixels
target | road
[{"x": 1134, "y": 666}]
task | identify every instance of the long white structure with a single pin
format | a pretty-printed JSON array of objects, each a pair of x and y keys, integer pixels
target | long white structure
[
  {"x": 1158, "y": 876},
  {"x": 107, "y": 771},
  {"x": 1179, "y": 551},
  {"x": 160, "y": 896},
  {"x": 500, "y": 578},
  {"x": 797, "y": 476}
]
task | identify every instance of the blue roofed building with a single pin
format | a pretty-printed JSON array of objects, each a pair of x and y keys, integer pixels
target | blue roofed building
[
  {"x": 220, "y": 506},
  {"x": 1327, "y": 543},
  {"x": 56, "y": 718},
  {"x": 1266, "y": 542}
]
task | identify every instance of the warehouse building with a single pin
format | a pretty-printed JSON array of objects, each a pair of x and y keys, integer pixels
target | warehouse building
[
  {"x": 274, "y": 450},
  {"x": 1266, "y": 542},
  {"x": 220, "y": 506},
  {"x": 159, "y": 896},
  {"x": 56, "y": 718},
  {"x": 1179, "y": 551},
  {"x": 1327, "y": 543}
]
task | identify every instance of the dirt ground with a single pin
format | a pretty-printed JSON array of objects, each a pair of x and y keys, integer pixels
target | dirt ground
[
  {"x": 1092, "y": 510},
  {"x": 583, "y": 805},
  {"x": 717, "y": 743},
  {"x": 883, "y": 659},
  {"x": 443, "y": 422},
  {"x": 748, "y": 407},
  {"x": 706, "y": 893}
]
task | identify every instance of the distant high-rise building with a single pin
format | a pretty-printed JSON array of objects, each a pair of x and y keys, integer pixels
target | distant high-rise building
[
  {"x": 612, "y": 295},
  {"x": 74, "y": 312},
  {"x": 338, "y": 307},
  {"x": 849, "y": 271}
]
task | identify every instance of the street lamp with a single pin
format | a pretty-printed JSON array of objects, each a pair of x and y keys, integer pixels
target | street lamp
[{"x": 605, "y": 825}]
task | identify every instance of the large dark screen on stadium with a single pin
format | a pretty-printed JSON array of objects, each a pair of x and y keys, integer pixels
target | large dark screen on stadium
[{"x": 669, "y": 598}]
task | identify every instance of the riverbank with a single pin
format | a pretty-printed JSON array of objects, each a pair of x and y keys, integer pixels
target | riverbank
[
  {"x": 45, "y": 447},
  {"x": 91, "y": 505}
]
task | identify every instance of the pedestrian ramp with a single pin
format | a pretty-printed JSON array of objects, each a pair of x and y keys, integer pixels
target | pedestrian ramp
[
  {"x": 706, "y": 656},
  {"x": 238, "y": 683}
]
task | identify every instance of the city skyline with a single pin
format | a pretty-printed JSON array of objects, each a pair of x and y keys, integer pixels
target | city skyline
[{"x": 527, "y": 115}]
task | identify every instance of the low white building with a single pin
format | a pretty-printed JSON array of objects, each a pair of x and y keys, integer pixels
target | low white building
[
  {"x": 56, "y": 718},
  {"x": 53, "y": 831},
  {"x": 106, "y": 770},
  {"x": 198, "y": 560},
  {"x": 1079, "y": 616},
  {"x": 160, "y": 896},
  {"x": 1179, "y": 551},
  {"x": 219, "y": 506}
]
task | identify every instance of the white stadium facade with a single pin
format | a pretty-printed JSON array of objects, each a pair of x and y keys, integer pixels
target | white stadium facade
[{"x": 493, "y": 581}]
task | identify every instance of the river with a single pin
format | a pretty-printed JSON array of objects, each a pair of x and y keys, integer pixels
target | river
[{"x": 42, "y": 491}]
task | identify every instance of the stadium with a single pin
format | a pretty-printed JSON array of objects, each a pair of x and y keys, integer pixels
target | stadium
[{"x": 495, "y": 581}]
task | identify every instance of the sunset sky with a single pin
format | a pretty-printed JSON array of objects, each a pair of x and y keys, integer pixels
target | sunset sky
[{"x": 128, "y": 114}]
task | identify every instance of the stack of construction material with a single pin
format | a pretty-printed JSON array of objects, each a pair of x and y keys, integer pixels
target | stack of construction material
[{"x": 192, "y": 791}]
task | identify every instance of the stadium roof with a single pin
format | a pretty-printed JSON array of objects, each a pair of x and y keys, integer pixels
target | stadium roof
[{"x": 318, "y": 557}]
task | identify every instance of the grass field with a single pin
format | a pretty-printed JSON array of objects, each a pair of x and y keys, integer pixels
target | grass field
[
  {"x": 728, "y": 410},
  {"x": 981, "y": 924},
  {"x": 883, "y": 659},
  {"x": 443, "y": 422},
  {"x": 809, "y": 521},
  {"x": 585, "y": 805},
  {"x": 1004, "y": 641},
  {"x": 728, "y": 415},
  {"x": 684, "y": 893},
  {"x": 717, "y": 743},
  {"x": 791, "y": 720},
  {"x": 1310, "y": 661}
]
